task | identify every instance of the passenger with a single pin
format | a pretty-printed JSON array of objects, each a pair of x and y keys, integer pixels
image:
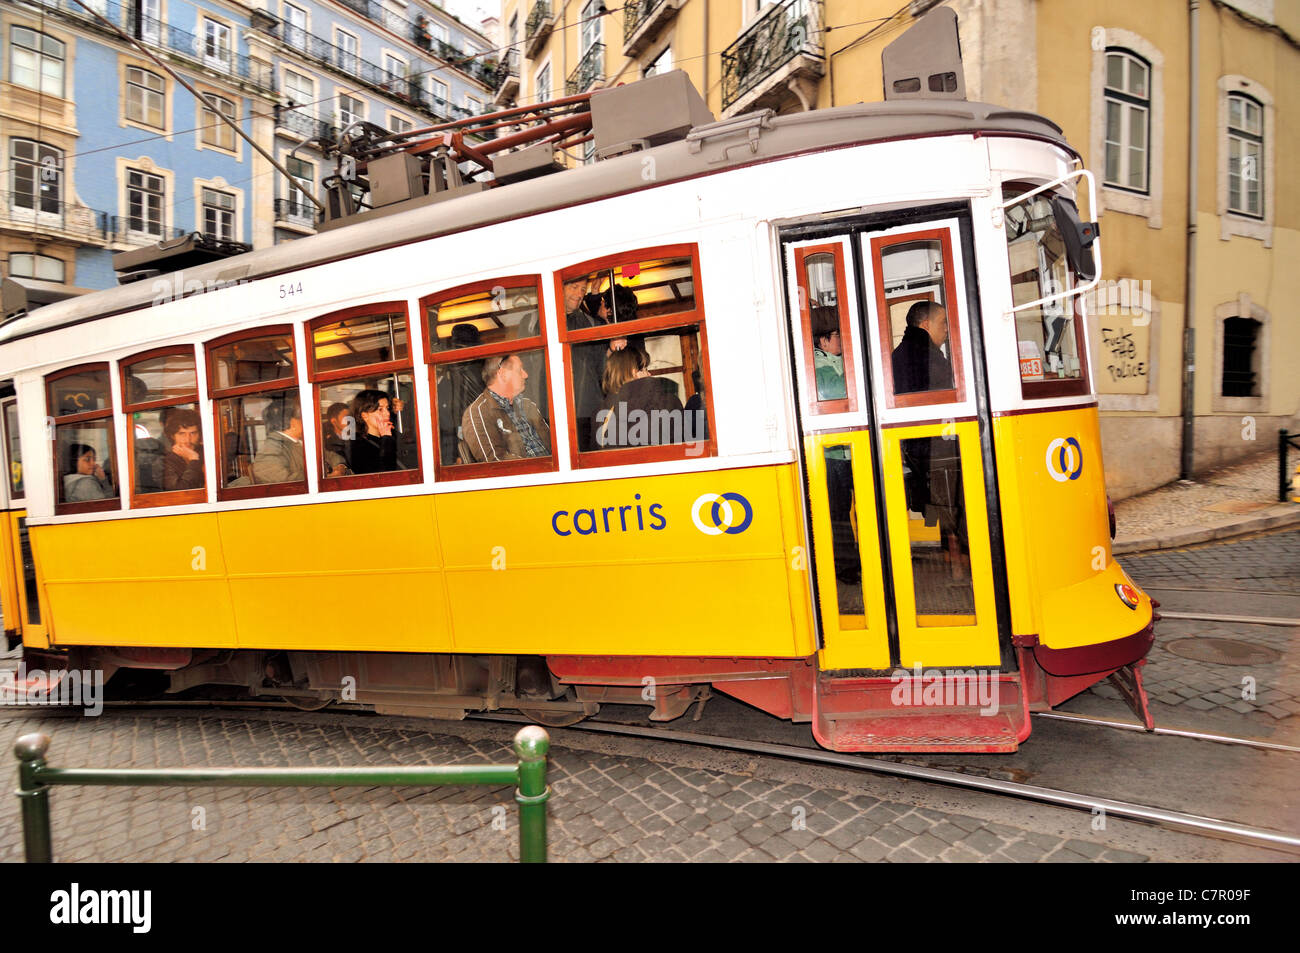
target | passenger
[
  {"x": 281, "y": 458},
  {"x": 918, "y": 362},
  {"x": 334, "y": 446},
  {"x": 183, "y": 465},
  {"x": 374, "y": 450},
  {"x": 640, "y": 410},
  {"x": 828, "y": 354},
  {"x": 502, "y": 424},
  {"x": 697, "y": 419},
  {"x": 458, "y": 386},
  {"x": 86, "y": 480}
]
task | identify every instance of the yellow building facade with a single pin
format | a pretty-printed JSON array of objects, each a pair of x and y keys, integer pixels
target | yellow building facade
[{"x": 1118, "y": 77}]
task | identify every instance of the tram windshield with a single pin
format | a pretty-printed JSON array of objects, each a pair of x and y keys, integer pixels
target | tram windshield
[{"x": 1047, "y": 335}]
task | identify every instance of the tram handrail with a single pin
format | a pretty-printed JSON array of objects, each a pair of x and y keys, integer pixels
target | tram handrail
[
  {"x": 528, "y": 774},
  {"x": 999, "y": 221}
]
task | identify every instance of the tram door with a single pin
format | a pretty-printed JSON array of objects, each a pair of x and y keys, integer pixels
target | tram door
[{"x": 900, "y": 523}]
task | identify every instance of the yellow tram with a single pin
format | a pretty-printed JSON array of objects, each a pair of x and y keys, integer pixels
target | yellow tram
[{"x": 832, "y": 507}]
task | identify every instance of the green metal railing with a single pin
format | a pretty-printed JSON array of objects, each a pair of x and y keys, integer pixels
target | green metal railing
[{"x": 528, "y": 775}]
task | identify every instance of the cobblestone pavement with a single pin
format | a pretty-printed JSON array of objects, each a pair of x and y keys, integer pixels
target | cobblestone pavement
[
  {"x": 1216, "y": 498},
  {"x": 605, "y": 806},
  {"x": 1265, "y": 563}
]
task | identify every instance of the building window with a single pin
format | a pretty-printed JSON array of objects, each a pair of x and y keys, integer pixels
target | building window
[
  {"x": 1240, "y": 357},
  {"x": 351, "y": 109},
  {"x": 437, "y": 92},
  {"x": 399, "y": 124},
  {"x": 216, "y": 44},
  {"x": 660, "y": 64},
  {"x": 1245, "y": 156},
  {"x": 215, "y": 132},
  {"x": 36, "y": 61},
  {"x": 542, "y": 87},
  {"x": 634, "y": 337},
  {"x": 590, "y": 23},
  {"x": 365, "y": 398},
  {"x": 80, "y": 403},
  {"x": 36, "y": 176},
  {"x": 300, "y": 90},
  {"x": 145, "y": 194},
  {"x": 473, "y": 105},
  {"x": 218, "y": 215},
  {"x": 150, "y": 28},
  {"x": 164, "y": 432},
  {"x": 144, "y": 97},
  {"x": 253, "y": 382},
  {"x": 295, "y": 26},
  {"x": 487, "y": 356},
  {"x": 42, "y": 267},
  {"x": 395, "y": 69},
  {"x": 347, "y": 51},
  {"x": 1128, "y": 120}
]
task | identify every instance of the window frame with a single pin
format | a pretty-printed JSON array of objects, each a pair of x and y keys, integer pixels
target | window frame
[
  {"x": 618, "y": 456},
  {"x": 1123, "y": 98},
  {"x": 164, "y": 497},
  {"x": 848, "y": 403},
  {"x": 884, "y": 324},
  {"x": 316, "y": 378},
  {"x": 38, "y": 167},
  {"x": 145, "y": 190},
  {"x": 218, "y": 394},
  {"x": 145, "y": 91},
  {"x": 433, "y": 359},
  {"x": 40, "y": 56},
  {"x": 208, "y": 104},
  {"x": 37, "y": 257},
  {"x": 1245, "y": 136},
  {"x": 109, "y": 414},
  {"x": 232, "y": 211},
  {"x": 14, "y": 496}
]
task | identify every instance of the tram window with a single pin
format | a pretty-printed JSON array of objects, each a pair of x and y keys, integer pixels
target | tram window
[
  {"x": 487, "y": 356},
  {"x": 361, "y": 358},
  {"x": 637, "y": 358},
  {"x": 252, "y": 380},
  {"x": 823, "y": 311},
  {"x": 1047, "y": 335},
  {"x": 164, "y": 430},
  {"x": 84, "y": 454},
  {"x": 13, "y": 451},
  {"x": 940, "y": 546},
  {"x": 920, "y": 325}
]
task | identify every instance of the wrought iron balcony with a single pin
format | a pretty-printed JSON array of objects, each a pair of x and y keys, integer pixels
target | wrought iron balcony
[
  {"x": 642, "y": 21},
  {"x": 47, "y": 215},
  {"x": 304, "y": 126},
  {"x": 590, "y": 71},
  {"x": 302, "y": 214},
  {"x": 508, "y": 74},
  {"x": 538, "y": 27},
  {"x": 785, "y": 43}
]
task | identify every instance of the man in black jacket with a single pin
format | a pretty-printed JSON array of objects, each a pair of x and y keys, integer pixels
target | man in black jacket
[{"x": 919, "y": 363}]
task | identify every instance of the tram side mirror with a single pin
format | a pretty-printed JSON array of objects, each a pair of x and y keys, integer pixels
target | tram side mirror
[{"x": 1078, "y": 236}]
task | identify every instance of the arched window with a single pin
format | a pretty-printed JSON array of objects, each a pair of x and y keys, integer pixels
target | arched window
[
  {"x": 1245, "y": 155},
  {"x": 36, "y": 176},
  {"x": 1128, "y": 120}
]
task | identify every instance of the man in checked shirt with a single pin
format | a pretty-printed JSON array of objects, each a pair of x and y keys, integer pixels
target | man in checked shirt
[{"x": 502, "y": 424}]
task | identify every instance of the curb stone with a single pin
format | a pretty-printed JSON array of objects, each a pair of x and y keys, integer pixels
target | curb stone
[{"x": 1193, "y": 535}]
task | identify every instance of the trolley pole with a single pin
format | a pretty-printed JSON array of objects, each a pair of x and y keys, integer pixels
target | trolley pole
[
  {"x": 531, "y": 747},
  {"x": 34, "y": 797}
]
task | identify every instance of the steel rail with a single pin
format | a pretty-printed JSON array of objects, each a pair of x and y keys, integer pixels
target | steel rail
[
  {"x": 1242, "y": 619},
  {"x": 1209, "y": 826},
  {"x": 1175, "y": 732}
]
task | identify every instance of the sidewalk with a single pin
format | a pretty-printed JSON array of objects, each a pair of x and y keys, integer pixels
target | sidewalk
[{"x": 1229, "y": 501}]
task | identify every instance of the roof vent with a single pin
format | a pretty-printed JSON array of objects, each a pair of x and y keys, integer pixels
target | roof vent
[
  {"x": 925, "y": 62},
  {"x": 185, "y": 251},
  {"x": 663, "y": 108}
]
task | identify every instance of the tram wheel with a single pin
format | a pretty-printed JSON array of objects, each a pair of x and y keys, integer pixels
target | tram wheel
[
  {"x": 303, "y": 703},
  {"x": 553, "y": 719}
]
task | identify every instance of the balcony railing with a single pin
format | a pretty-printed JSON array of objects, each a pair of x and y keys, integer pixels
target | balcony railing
[
  {"x": 295, "y": 213},
  {"x": 591, "y": 70},
  {"x": 538, "y": 26},
  {"x": 308, "y": 127},
  {"x": 73, "y": 222},
  {"x": 642, "y": 20},
  {"x": 786, "y": 31},
  {"x": 508, "y": 75}
]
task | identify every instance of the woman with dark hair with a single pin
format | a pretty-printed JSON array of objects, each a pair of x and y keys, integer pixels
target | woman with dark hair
[
  {"x": 640, "y": 410},
  {"x": 374, "y": 449},
  {"x": 183, "y": 464},
  {"x": 85, "y": 479}
]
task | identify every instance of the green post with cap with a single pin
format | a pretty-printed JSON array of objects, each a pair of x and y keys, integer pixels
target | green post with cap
[
  {"x": 531, "y": 747},
  {"x": 34, "y": 797}
]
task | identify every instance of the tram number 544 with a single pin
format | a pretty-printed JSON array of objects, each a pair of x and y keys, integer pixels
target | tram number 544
[{"x": 290, "y": 289}]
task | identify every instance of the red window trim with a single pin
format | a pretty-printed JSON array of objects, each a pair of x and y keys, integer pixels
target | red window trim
[
  {"x": 812, "y": 405},
  {"x": 318, "y": 378},
  {"x": 448, "y": 471},
  {"x": 455, "y": 355},
  {"x": 884, "y": 329},
  {"x": 91, "y": 506},
  {"x": 621, "y": 456},
  {"x": 163, "y": 497}
]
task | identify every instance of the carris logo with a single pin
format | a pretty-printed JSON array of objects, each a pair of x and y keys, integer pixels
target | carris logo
[
  {"x": 714, "y": 514},
  {"x": 1064, "y": 459}
]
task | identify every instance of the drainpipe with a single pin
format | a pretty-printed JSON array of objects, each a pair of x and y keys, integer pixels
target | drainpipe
[
  {"x": 1189, "y": 293},
  {"x": 705, "y": 87}
]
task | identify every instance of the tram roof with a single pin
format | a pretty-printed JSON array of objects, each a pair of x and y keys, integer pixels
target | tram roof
[{"x": 707, "y": 149}]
